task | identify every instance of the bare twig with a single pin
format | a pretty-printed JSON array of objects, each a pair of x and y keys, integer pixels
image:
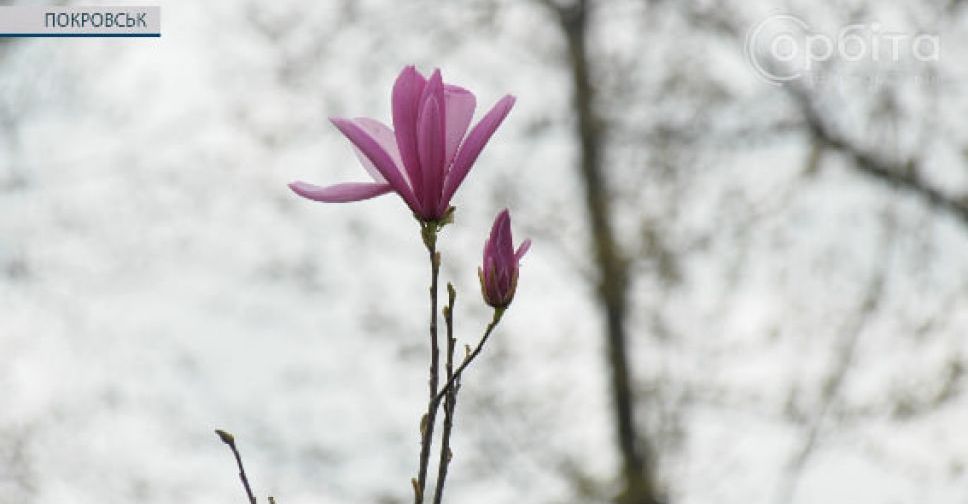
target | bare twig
[
  {"x": 455, "y": 379},
  {"x": 902, "y": 175},
  {"x": 450, "y": 404},
  {"x": 429, "y": 234},
  {"x": 229, "y": 439},
  {"x": 833, "y": 383}
]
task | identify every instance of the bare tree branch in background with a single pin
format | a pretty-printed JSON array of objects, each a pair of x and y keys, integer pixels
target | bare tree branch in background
[
  {"x": 611, "y": 264},
  {"x": 901, "y": 175},
  {"x": 843, "y": 360}
]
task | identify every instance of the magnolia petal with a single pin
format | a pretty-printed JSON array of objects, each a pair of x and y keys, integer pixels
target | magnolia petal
[
  {"x": 379, "y": 157},
  {"x": 493, "y": 288},
  {"x": 473, "y": 145},
  {"x": 383, "y": 136},
  {"x": 340, "y": 193},
  {"x": 503, "y": 247},
  {"x": 487, "y": 250},
  {"x": 502, "y": 250},
  {"x": 405, "y": 99},
  {"x": 460, "y": 104},
  {"x": 430, "y": 144},
  {"x": 499, "y": 220},
  {"x": 522, "y": 249},
  {"x": 501, "y": 234}
]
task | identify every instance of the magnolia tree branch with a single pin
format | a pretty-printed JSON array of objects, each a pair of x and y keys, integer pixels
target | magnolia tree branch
[
  {"x": 429, "y": 235},
  {"x": 454, "y": 380},
  {"x": 229, "y": 439},
  {"x": 450, "y": 404}
]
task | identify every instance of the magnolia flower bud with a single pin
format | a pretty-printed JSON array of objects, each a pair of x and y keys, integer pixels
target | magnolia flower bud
[{"x": 499, "y": 273}]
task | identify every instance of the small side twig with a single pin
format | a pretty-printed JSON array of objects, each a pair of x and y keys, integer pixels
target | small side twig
[
  {"x": 498, "y": 313},
  {"x": 229, "y": 439},
  {"x": 833, "y": 384},
  {"x": 450, "y": 404}
]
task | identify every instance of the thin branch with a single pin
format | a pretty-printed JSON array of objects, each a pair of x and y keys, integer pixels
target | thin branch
[
  {"x": 833, "y": 383},
  {"x": 900, "y": 175},
  {"x": 229, "y": 439},
  {"x": 903, "y": 175},
  {"x": 429, "y": 235},
  {"x": 450, "y": 404},
  {"x": 452, "y": 381}
]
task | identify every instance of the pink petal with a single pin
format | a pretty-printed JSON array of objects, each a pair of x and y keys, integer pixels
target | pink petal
[
  {"x": 502, "y": 219},
  {"x": 523, "y": 249},
  {"x": 473, "y": 145},
  {"x": 383, "y": 136},
  {"x": 431, "y": 142},
  {"x": 488, "y": 251},
  {"x": 340, "y": 193},
  {"x": 405, "y": 100},
  {"x": 379, "y": 157},
  {"x": 502, "y": 240},
  {"x": 460, "y": 104},
  {"x": 503, "y": 215}
]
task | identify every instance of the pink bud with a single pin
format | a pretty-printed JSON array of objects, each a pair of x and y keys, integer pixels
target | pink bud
[{"x": 499, "y": 273}]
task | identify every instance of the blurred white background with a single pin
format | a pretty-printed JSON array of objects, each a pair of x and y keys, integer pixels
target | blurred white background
[{"x": 796, "y": 319}]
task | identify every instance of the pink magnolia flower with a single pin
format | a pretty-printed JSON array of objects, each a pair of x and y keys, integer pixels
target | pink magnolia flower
[
  {"x": 499, "y": 273},
  {"x": 426, "y": 155}
]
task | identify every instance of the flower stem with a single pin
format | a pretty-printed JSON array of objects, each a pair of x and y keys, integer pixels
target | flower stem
[
  {"x": 450, "y": 404},
  {"x": 429, "y": 235},
  {"x": 452, "y": 381}
]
